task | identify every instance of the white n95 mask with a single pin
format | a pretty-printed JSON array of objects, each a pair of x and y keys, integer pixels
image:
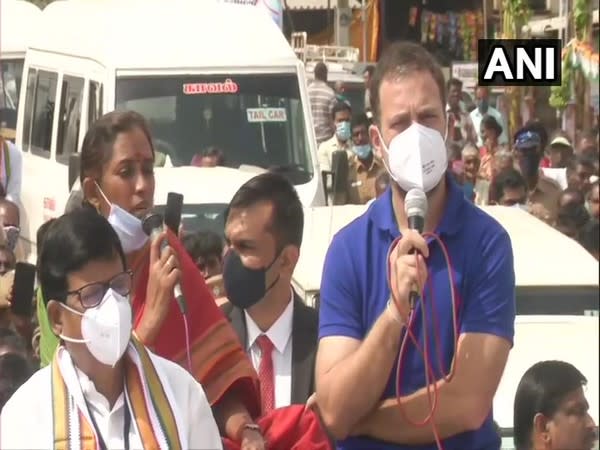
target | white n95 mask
[
  {"x": 127, "y": 226},
  {"x": 417, "y": 158},
  {"x": 106, "y": 329}
]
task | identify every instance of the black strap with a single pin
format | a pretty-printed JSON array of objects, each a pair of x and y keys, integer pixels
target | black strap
[{"x": 126, "y": 427}]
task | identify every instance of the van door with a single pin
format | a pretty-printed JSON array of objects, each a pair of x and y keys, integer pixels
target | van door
[
  {"x": 39, "y": 179},
  {"x": 51, "y": 133}
]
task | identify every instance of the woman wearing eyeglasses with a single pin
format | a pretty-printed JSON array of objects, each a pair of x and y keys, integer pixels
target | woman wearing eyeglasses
[{"x": 103, "y": 389}]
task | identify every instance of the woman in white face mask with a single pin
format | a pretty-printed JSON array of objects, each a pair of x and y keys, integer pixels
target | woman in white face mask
[
  {"x": 103, "y": 389},
  {"x": 117, "y": 178}
]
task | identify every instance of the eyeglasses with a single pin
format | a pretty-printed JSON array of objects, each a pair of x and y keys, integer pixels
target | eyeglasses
[{"x": 91, "y": 295}]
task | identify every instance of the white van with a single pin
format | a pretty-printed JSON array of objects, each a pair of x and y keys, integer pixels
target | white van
[
  {"x": 202, "y": 73},
  {"x": 556, "y": 287},
  {"x": 18, "y": 19}
]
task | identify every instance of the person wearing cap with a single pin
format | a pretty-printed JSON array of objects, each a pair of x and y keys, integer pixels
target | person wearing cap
[
  {"x": 560, "y": 153},
  {"x": 544, "y": 192},
  {"x": 11, "y": 164}
]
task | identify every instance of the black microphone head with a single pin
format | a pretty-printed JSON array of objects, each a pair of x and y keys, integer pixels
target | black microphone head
[
  {"x": 151, "y": 222},
  {"x": 415, "y": 203}
]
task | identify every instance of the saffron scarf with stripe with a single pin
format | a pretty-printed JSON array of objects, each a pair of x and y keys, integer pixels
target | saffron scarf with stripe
[
  {"x": 145, "y": 396},
  {"x": 219, "y": 363}
]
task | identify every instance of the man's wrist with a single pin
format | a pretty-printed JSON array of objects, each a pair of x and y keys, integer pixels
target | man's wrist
[
  {"x": 393, "y": 313},
  {"x": 246, "y": 428}
]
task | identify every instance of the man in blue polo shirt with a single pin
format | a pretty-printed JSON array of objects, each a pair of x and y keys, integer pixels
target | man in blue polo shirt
[{"x": 361, "y": 329}]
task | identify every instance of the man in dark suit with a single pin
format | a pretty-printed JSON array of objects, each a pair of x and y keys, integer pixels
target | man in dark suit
[{"x": 264, "y": 228}]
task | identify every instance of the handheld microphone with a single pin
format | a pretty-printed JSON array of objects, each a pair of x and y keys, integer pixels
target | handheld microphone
[
  {"x": 415, "y": 206},
  {"x": 153, "y": 226}
]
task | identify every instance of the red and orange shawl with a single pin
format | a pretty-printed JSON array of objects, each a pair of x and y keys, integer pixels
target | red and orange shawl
[{"x": 219, "y": 363}]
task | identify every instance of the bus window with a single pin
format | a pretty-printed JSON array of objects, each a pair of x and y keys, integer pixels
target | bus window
[
  {"x": 70, "y": 117},
  {"x": 94, "y": 102},
  {"x": 28, "y": 115},
  {"x": 43, "y": 113}
]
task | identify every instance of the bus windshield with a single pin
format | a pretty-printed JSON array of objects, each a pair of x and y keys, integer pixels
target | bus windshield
[{"x": 254, "y": 120}]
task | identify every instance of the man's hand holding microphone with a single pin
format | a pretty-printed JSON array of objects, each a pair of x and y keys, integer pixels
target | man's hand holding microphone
[{"x": 407, "y": 268}]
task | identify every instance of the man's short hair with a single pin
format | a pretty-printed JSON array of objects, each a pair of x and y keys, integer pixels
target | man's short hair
[
  {"x": 203, "y": 244},
  {"x": 573, "y": 215},
  {"x": 542, "y": 390},
  {"x": 370, "y": 69},
  {"x": 507, "y": 179},
  {"x": 454, "y": 82},
  {"x": 321, "y": 71},
  {"x": 287, "y": 221},
  {"x": 360, "y": 120},
  {"x": 339, "y": 107},
  {"x": 74, "y": 240},
  {"x": 576, "y": 193},
  {"x": 400, "y": 59}
]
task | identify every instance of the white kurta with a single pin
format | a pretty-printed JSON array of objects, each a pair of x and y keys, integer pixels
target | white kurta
[{"x": 26, "y": 420}]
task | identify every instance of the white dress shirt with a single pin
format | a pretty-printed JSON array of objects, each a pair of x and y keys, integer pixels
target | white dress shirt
[
  {"x": 476, "y": 117},
  {"x": 31, "y": 406},
  {"x": 280, "y": 335}
]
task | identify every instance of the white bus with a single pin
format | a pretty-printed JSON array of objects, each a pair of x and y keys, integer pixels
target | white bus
[
  {"x": 202, "y": 73},
  {"x": 18, "y": 19}
]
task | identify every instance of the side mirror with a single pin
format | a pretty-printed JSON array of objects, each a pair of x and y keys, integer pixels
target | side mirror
[
  {"x": 74, "y": 168},
  {"x": 339, "y": 167}
]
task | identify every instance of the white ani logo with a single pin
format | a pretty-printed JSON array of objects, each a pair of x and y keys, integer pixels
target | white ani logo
[{"x": 540, "y": 67}]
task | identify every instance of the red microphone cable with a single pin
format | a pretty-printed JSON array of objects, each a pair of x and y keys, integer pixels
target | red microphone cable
[{"x": 430, "y": 378}]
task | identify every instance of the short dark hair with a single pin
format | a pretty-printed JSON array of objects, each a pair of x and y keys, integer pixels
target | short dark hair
[
  {"x": 399, "y": 59},
  {"x": 490, "y": 122},
  {"x": 586, "y": 160},
  {"x": 339, "y": 107},
  {"x": 203, "y": 244},
  {"x": 287, "y": 221},
  {"x": 454, "y": 82},
  {"x": 541, "y": 390},
  {"x": 507, "y": 179},
  {"x": 41, "y": 235},
  {"x": 15, "y": 369},
  {"x": 215, "y": 152},
  {"x": 100, "y": 137},
  {"x": 370, "y": 69},
  {"x": 576, "y": 193},
  {"x": 320, "y": 71},
  {"x": 573, "y": 215},
  {"x": 360, "y": 120},
  {"x": 73, "y": 240}
]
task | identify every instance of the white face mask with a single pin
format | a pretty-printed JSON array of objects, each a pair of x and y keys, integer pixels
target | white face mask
[
  {"x": 417, "y": 158},
  {"x": 127, "y": 226},
  {"x": 106, "y": 329}
]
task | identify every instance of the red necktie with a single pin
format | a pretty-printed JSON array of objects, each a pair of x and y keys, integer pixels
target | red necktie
[{"x": 266, "y": 374}]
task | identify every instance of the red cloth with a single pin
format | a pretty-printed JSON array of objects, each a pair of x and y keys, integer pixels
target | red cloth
[
  {"x": 545, "y": 162},
  {"x": 290, "y": 428},
  {"x": 218, "y": 361},
  {"x": 266, "y": 374}
]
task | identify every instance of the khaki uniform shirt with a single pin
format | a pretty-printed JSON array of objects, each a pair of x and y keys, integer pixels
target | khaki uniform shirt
[
  {"x": 545, "y": 198},
  {"x": 361, "y": 180}
]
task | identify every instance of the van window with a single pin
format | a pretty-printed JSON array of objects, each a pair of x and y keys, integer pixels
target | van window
[
  {"x": 95, "y": 102},
  {"x": 70, "y": 117},
  {"x": 29, "y": 102},
  {"x": 43, "y": 113},
  {"x": 254, "y": 120}
]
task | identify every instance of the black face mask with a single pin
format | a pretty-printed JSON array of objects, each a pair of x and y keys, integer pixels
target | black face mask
[{"x": 245, "y": 287}]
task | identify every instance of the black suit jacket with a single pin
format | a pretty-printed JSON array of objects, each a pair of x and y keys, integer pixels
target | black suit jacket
[{"x": 304, "y": 345}]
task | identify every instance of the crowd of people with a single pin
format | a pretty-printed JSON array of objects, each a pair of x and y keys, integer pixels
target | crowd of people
[
  {"x": 110, "y": 359},
  {"x": 547, "y": 174}
]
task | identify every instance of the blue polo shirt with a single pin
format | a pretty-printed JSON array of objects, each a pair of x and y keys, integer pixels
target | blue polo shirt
[{"x": 354, "y": 293}]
